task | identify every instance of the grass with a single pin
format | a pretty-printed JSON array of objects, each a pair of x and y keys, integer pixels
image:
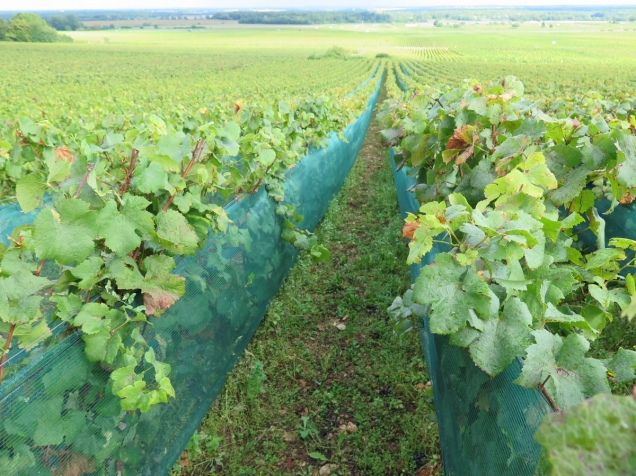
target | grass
[{"x": 324, "y": 383}]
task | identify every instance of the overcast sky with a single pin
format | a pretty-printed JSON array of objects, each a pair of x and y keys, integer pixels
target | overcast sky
[{"x": 163, "y": 4}]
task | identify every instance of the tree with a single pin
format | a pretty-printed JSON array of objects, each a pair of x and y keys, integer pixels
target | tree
[
  {"x": 3, "y": 29},
  {"x": 29, "y": 27},
  {"x": 64, "y": 22}
]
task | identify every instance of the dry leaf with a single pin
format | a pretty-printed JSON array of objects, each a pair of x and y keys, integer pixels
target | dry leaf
[
  {"x": 64, "y": 154},
  {"x": 158, "y": 301},
  {"x": 459, "y": 140},
  {"x": 75, "y": 465},
  {"x": 327, "y": 469},
  {"x": 352, "y": 427},
  {"x": 409, "y": 229},
  {"x": 431, "y": 469}
]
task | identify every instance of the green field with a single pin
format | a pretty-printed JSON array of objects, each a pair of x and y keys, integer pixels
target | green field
[{"x": 172, "y": 117}]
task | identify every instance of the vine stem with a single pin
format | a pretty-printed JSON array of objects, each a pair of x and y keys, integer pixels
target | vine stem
[
  {"x": 89, "y": 168},
  {"x": 7, "y": 345},
  {"x": 582, "y": 231},
  {"x": 261, "y": 179},
  {"x": 196, "y": 154},
  {"x": 133, "y": 160},
  {"x": 112, "y": 332},
  {"x": 39, "y": 270},
  {"x": 541, "y": 388}
]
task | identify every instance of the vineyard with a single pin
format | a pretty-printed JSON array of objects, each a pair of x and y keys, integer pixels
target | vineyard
[{"x": 158, "y": 187}]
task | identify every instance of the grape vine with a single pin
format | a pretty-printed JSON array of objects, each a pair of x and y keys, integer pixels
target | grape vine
[{"x": 510, "y": 192}]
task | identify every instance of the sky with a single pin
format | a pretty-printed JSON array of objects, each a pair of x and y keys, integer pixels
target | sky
[{"x": 24, "y": 5}]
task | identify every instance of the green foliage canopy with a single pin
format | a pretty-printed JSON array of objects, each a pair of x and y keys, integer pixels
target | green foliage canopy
[{"x": 30, "y": 28}]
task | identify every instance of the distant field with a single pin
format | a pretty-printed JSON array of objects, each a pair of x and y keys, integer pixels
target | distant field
[
  {"x": 564, "y": 59},
  {"x": 163, "y": 23},
  {"x": 567, "y": 55}
]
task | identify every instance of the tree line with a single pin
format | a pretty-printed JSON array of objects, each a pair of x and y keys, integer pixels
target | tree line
[
  {"x": 303, "y": 17},
  {"x": 31, "y": 28}
]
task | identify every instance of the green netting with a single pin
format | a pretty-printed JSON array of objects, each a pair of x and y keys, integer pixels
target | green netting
[
  {"x": 619, "y": 223},
  {"x": 57, "y": 413},
  {"x": 486, "y": 425}
]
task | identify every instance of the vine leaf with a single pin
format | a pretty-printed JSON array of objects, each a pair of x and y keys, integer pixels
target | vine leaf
[
  {"x": 30, "y": 191},
  {"x": 595, "y": 437},
  {"x": 151, "y": 179},
  {"x": 161, "y": 288},
  {"x": 19, "y": 302},
  {"x": 66, "y": 234},
  {"x": 452, "y": 290},
  {"x": 503, "y": 338},
  {"x": 53, "y": 424},
  {"x": 31, "y": 333},
  {"x": 175, "y": 233},
  {"x": 626, "y": 175},
  {"x": 131, "y": 387},
  {"x": 117, "y": 230},
  {"x": 622, "y": 365},
  {"x": 89, "y": 272},
  {"x": 573, "y": 376},
  {"x": 134, "y": 208},
  {"x": 573, "y": 184}
]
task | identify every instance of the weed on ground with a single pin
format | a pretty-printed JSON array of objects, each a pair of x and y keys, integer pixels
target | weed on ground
[{"x": 325, "y": 387}]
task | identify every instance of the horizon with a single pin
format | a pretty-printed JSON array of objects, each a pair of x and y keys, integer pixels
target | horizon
[{"x": 152, "y": 5}]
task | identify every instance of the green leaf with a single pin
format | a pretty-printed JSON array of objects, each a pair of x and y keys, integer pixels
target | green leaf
[
  {"x": 318, "y": 456},
  {"x": 593, "y": 438},
  {"x": 134, "y": 208},
  {"x": 19, "y": 299},
  {"x": 516, "y": 281},
  {"x": 175, "y": 233},
  {"x": 66, "y": 377},
  {"x": 552, "y": 314},
  {"x": 66, "y": 237},
  {"x": 30, "y": 191},
  {"x": 89, "y": 272},
  {"x": 161, "y": 288},
  {"x": 623, "y": 365},
  {"x": 151, "y": 179},
  {"x": 573, "y": 184},
  {"x": 53, "y": 424},
  {"x": 117, "y": 230},
  {"x": 31, "y": 334},
  {"x": 452, "y": 290},
  {"x": 573, "y": 377},
  {"x": 267, "y": 157},
  {"x": 232, "y": 130},
  {"x": 175, "y": 146},
  {"x": 319, "y": 253},
  {"x": 67, "y": 305},
  {"x": 538, "y": 173},
  {"x": 504, "y": 338},
  {"x": 90, "y": 318},
  {"x": 58, "y": 170},
  {"x": 626, "y": 175},
  {"x": 604, "y": 257}
]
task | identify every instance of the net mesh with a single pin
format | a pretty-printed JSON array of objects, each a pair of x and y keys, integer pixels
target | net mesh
[
  {"x": 57, "y": 413},
  {"x": 486, "y": 425}
]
